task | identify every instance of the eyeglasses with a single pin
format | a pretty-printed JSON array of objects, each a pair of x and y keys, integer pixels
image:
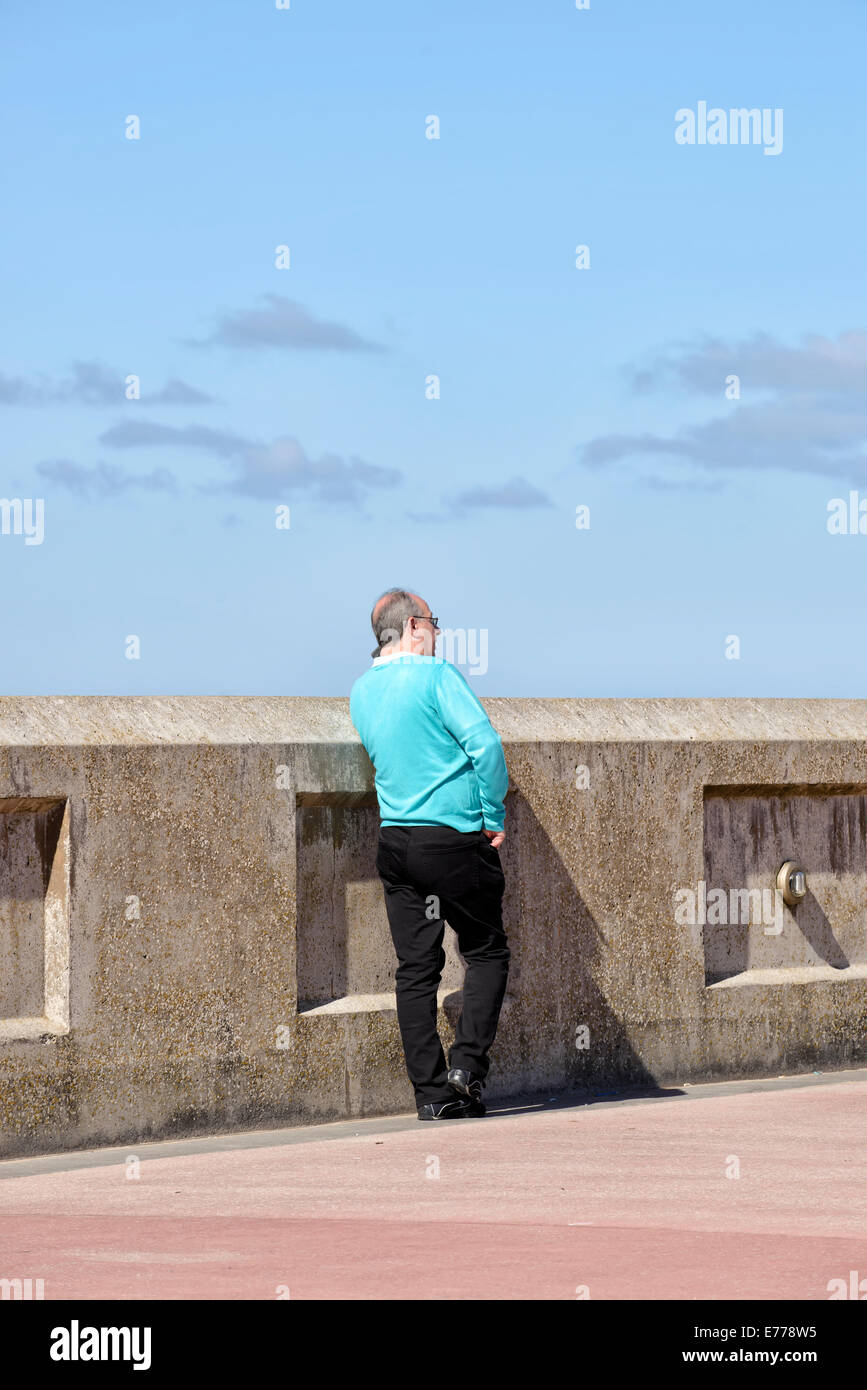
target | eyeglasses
[{"x": 423, "y": 617}]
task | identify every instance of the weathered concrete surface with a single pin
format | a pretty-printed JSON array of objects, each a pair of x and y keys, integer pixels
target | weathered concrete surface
[
  {"x": 719, "y": 1193},
  {"x": 214, "y": 947}
]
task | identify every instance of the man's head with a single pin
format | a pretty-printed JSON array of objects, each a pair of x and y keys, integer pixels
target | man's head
[{"x": 402, "y": 621}]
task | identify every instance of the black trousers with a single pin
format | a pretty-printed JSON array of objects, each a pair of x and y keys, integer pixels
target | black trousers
[{"x": 431, "y": 872}]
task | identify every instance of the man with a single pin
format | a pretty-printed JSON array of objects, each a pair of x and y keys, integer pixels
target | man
[{"x": 441, "y": 781}]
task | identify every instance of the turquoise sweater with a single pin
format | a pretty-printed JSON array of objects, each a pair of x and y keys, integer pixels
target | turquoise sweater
[{"x": 437, "y": 759}]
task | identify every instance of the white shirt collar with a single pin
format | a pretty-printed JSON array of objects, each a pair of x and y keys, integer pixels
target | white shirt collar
[{"x": 390, "y": 656}]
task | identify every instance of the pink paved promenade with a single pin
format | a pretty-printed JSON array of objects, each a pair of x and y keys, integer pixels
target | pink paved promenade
[{"x": 626, "y": 1200}]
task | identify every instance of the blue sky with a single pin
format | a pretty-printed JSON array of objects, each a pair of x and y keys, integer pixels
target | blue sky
[{"x": 410, "y": 257}]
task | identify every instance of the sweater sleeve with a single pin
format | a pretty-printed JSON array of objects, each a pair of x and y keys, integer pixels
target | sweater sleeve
[{"x": 462, "y": 714}]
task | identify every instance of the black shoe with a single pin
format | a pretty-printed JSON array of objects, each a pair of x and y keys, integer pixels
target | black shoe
[
  {"x": 446, "y": 1109},
  {"x": 467, "y": 1083}
]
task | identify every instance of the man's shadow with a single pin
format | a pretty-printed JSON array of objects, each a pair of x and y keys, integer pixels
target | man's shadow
[
  {"x": 557, "y": 1031},
  {"x": 557, "y": 1037}
]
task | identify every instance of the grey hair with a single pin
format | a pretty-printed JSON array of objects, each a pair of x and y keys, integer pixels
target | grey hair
[{"x": 389, "y": 622}]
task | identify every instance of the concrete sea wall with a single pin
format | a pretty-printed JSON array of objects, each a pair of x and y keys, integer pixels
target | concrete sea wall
[{"x": 193, "y": 936}]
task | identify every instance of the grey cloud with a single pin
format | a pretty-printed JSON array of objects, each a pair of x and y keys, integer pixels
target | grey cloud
[
  {"x": 763, "y": 364},
  {"x": 609, "y": 448},
  {"x": 105, "y": 479},
  {"x": 517, "y": 492},
  {"x": 177, "y": 392},
  {"x": 91, "y": 383},
  {"x": 143, "y": 434},
  {"x": 282, "y": 467},
  {"x": 753, "y": 438},
  {"x": 283, "y": 323},
  {"x": 14, "y": 390},
  {"x": 806, "y": 410},
  {"x": 261, "y": 470}
]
